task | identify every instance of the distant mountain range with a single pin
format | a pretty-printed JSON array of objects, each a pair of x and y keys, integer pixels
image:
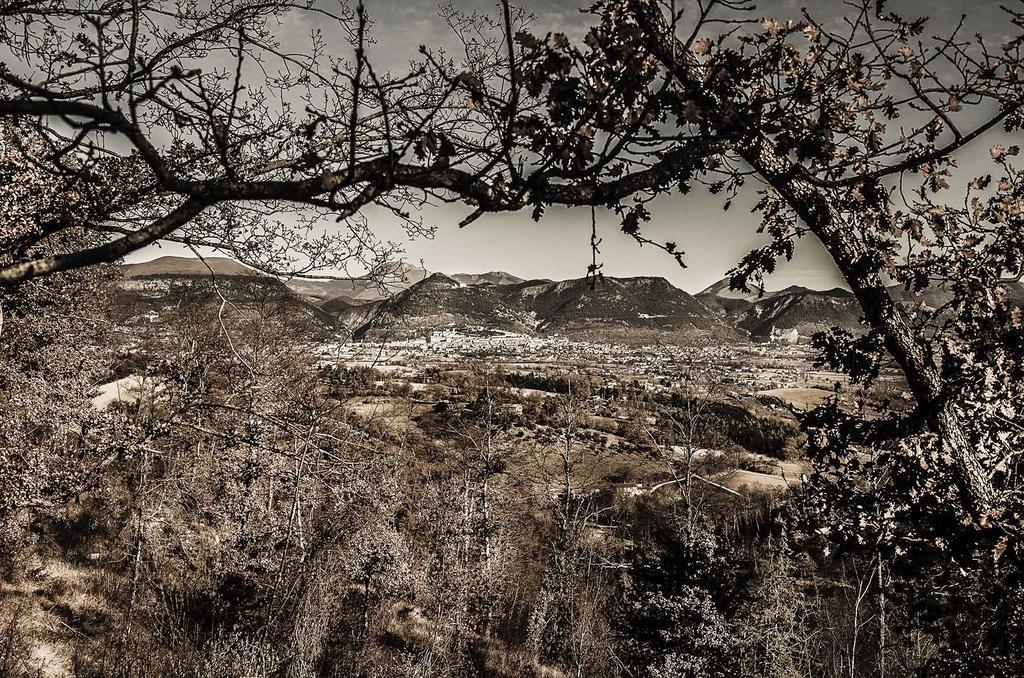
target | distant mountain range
[
  {"x": 618, "y": 310},
  {"x": 413, "y": 302},
  {"x": 156, "y": 286}
]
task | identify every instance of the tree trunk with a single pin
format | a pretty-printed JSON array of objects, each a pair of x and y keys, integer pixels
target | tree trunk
[{"x": 856, "y": 264}]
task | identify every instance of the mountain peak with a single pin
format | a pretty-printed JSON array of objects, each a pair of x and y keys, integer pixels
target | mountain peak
[{"x": 489, "y": 278}]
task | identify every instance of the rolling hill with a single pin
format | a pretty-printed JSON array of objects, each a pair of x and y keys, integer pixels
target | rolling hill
[
  {"x": 343, "y": 294},
  {"x": 626, "y": 310},
  {"x": 160, "y": 291},
  {"x": 934, "y": 298},
  {"x": 190, "y": 266}
]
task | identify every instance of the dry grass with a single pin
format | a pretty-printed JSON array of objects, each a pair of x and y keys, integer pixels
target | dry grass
[{"x": 56, "y": 606}]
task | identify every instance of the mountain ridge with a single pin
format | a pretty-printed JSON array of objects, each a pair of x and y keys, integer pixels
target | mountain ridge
[
  {"x": 627, "y": 309},
  {"x": 222, "y": 265},
  {"x": 622, "y": 310}
]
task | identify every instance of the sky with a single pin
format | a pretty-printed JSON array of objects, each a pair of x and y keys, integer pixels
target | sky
[{"x": 558, "y": 246}]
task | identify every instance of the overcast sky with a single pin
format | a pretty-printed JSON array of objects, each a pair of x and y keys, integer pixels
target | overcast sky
[{"x": 558, "y": 246}]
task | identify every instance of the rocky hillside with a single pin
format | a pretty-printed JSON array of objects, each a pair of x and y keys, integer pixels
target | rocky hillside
[
  {"x": 350, "y": 316},
  {"x": 342, "y": 295},
  {"x": 798, "y": 313},
  {"x": 440, "y": 301},
  {"x": 625, "y": 310},
  {"x": 790, "y": 314}
]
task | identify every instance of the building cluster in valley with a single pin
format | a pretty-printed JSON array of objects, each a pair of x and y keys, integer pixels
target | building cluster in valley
[{"x": 744, "y": 368}]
